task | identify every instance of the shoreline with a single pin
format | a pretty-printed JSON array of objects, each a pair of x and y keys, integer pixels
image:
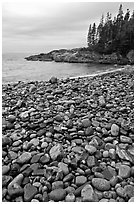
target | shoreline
[{"x": 76, "y": 77}]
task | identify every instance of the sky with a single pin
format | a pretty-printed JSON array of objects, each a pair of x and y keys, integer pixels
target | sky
[{"x": 36, "y": 26}]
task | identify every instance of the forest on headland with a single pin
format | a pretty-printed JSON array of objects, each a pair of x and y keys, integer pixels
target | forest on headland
[{"x": 111, "y": 42}]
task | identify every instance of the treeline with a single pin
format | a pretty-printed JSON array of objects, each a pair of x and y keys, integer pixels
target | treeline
[{"x": 113, "y": 35}]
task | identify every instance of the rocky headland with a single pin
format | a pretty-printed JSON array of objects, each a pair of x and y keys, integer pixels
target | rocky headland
[
  {"x": 69, "y": 140},
  {"x": 83, "y": 55}
]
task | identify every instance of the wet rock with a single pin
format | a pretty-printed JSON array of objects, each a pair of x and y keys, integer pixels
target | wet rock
[
  {"x": 70, "y": 197},
  {"x": 57, "y": 195},
  {"x": 63, "y": 167},
  {"x": 86, "y": 123},
  {"x": 124, "y": 171},
  {"x": 101, "y": 184},
  {"x": 88, "y": 194},
  {"x": 24, "y": 158},
  {"x": 80, "y": 180},
  {"x": 91, "y": 149},
  {"x": 56, "y": 151},
  {"x": 114, "y": 130},
  {"x": 29, "y": 192}
]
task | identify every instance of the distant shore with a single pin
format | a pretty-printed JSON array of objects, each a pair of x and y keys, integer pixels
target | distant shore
[{"x": 83, "y": 55}]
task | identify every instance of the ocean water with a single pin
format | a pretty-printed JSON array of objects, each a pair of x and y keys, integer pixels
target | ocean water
[{"x": 15, "y": 68}]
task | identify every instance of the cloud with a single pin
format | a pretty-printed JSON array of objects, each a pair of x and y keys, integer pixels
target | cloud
[{"x": 38, "y": 23}]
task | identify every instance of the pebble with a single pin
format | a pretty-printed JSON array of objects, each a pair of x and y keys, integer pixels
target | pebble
[
  {"x": 88, "y": 195},
  {"x": 101, "y": 184},
  {"x": 56, "y": 151},
  {"x": 114, "y": 130},
  {"x": 57, "y": 194},
  {"x": 124, "y": 171},
  {"x": 24, "y": 158},
  {"x": 63, "y": 167},
  {"x": 80, "y": 180},
  {"x": 86, "y": 123},
  {"x": 91, "y": 149},
  {"x": 70, "y": 197},
  {"x": 29, "y": 192}
]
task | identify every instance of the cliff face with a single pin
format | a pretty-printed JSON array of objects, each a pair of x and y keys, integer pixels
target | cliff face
[{"x": 79, "y": 55}]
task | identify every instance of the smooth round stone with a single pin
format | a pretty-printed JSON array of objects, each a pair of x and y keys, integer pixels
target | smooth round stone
[
  {"x": 70, "y": 197},
  {"x": 35, "y": 141},
  {"x": 125, "y": 139},
  {"x": 101, "y": 184},
  {"x": 44, "y": 145},
  {"x": 12, "y": 155},
  {"x": 24, "y": 158},
  {"x": 103, "y": 200},
  {"x": 58, "y": 118},
  {"x": 45, "y": 159},
  {"x": 131, "y": 199},
  {"x": 88, "y": 195},
  {"x": 124, "y": 171},
  {"x": 11, "y": 118},
  {"x": 121, "y": 192},
  {"x": 29, "y": 192},
  {"x": 17, "y": 180},
  {"x": 56, "y": 151},
  {"x": 112, "y": 153},
  {"x": 129, "y": 190},
  {"x": 91, "y": 149},
  {"x": 34, "y": 200},
  {"x": 57, "y": 184},
  {"x": 106, "y": 154},
  {"x": 57, "y": 195},
  {"x": 86, "y": 123},
  {"x": 80, "y": 180},
  {"x": 114, "y": 130},
  {"x": 15, "y": 190},
  {"x": 70, "y": 189},
  {"x": 5, "y": 169},
  {"x": 63, "y": 167}
]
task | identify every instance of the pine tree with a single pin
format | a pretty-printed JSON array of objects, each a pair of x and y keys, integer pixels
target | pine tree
[{"x": 89, "y": 37}]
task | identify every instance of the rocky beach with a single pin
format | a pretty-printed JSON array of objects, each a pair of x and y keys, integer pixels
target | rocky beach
[{"x": 69, "y": 140}]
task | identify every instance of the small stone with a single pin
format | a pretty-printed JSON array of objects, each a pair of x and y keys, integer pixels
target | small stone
[
  {"x": 45, "y": 159},
  {"x": 6, "y": 141},
  {"x": 58, "y": 118},
  {"x": 114, "y": 130},
  {"x": 18, "y": 179},
  {"x": 91, "y": 161},
  {"x": 44, "y": 145},
  {"x": 63, "y": 167},
  {"x": 91, "y": 149},
  {"x": 56, "y": 151},
  {"x": 129, "y": 190},
  {"x": 131, "y": 199},
  {"x": 53, "y": 80},
  {"x": 86, "y": 123},
  {"x": 11, "y": 118},
  {"x": 24, "y": 158},
  {"x": 125, "y": 139},
  {"x": 88, "y": 195},
  {"x": 29, "y": 192},
  {"x": 57, "y": 184},
  {"x": 89, "y": 131},
  {"x": 70, "y": 197},
  {"x": 35, "y": 141},
  {"x": 5, "y": 169},
  {"x": 68, "y": 177},
  {"x": 102, "y": 101},
  {"x": 35, "y": 158},
  {"x": 15, "y": 190},
  {"x": 57, "y": 195},
  {"x": 112, "y": 153},
  {"x": 124, "y": 171},
  {"x": 121, "y": 192},
  {"x": 101, "y": 184},
  {"x": 106, "y": 154},
  {"x": 5, "y": 180},
  {"x": 80, "y": 180}
]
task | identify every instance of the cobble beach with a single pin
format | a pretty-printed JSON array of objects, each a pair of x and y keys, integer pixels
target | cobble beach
[{"x": 69, "y": 139}]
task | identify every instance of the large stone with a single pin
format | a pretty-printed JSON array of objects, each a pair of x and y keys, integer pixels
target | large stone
[
  {"x": 101, "y": 184},
  {"x": 56, "y": 151},
  {"x": 114, "y": 130},
  {"x": 15, "y": 190},
  {"x": 29, "y": 192},
  {"x": 57, "y": 195},
  {"x": 57, "y": 184},
  {"x": 11, "y": 118},
  {"x": 88, "y": 194},
  {"x": 124, "y": 171},
  {"x": 24, "y": 158},
  {"x": 18, "y": 179},
  {"x": 129, "y": 190}
]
